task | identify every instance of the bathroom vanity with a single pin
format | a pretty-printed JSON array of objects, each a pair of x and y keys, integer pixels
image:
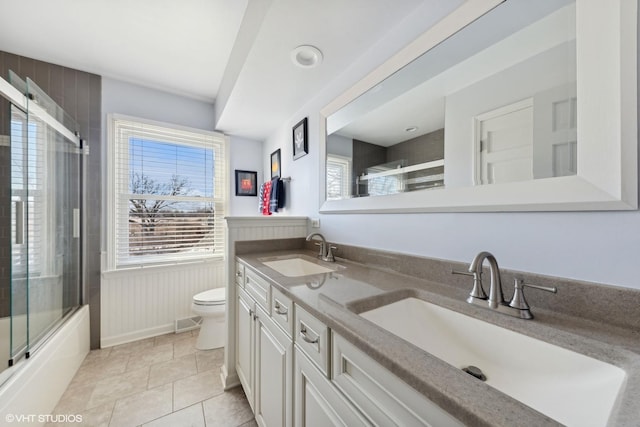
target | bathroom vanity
[{"x": 314, "y": 344}]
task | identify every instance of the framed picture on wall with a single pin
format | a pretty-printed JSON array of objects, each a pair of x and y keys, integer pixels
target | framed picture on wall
[
  {"x": 275, "y": 164},
  {"x": 300, "y": 144},
  {"x": 246, "y": 183}
]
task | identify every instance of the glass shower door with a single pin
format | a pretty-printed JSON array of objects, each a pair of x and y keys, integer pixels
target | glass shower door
[
  {"x": 53, "y": 217},
  {"x": 46, "y": 196}
]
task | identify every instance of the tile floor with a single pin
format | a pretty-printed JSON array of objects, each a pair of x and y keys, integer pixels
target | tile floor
[{"x": 156, "y": 382}]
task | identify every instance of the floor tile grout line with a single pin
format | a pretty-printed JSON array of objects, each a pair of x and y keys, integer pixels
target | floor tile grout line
[
  {"x": 113, "y": 408},
  {"x": 204, "y": 418},
  {"x": 148, "y": 376},
  {"x": 173, "y": 397}
]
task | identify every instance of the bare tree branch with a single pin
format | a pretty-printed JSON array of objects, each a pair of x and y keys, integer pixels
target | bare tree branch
[{"x": 148, "y": 210}]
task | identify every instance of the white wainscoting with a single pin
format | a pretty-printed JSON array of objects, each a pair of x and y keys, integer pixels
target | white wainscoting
[
  {"x": 144, "y": 302},
  {"x": 242, "y": 229}
]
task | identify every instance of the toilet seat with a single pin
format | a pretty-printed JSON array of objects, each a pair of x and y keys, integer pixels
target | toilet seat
[{"x": 211, "y": 297}]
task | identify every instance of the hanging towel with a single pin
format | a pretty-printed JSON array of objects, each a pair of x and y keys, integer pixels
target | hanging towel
[
  {"x": 277, "y": 195},
  {"x": 266, "y": 198},
  {"x": 261, "y": 198}
]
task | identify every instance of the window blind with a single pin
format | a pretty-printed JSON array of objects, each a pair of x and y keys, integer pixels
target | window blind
[
  {"x": 338, "y": 177},
  {"x": 169, "y": 187}
]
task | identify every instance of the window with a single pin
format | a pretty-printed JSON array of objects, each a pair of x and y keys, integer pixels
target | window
[
  {"x": 168, "y": 193},
  {"x": 338, "y": 177}
]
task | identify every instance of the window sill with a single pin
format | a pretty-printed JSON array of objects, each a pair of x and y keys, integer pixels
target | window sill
[{"x": 163, "y": 265}]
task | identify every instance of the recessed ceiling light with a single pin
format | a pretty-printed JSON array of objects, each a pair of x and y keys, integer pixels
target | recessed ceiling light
[
  {"x": 411, "y": 129},
  {"x": 306, "y": 56}
]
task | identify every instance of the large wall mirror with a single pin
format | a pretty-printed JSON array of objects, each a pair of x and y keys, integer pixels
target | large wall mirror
[{"x": 513, "y": 105}]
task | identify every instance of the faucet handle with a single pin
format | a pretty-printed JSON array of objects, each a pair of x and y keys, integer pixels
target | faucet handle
[
  {"x": 518, "y": 301},
  {"x": 330, "y": 257},
  {"x": 463, "y": 273}
]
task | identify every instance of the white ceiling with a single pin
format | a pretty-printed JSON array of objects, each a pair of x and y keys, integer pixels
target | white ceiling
[
  {"x": 177, "y": 46},
  {"x": 203, "y": 50}
]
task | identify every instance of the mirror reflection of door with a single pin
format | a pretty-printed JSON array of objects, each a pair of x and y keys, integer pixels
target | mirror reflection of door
[
  {"x": 504, "y": 144},
  {"x": 555, "y": 132}
]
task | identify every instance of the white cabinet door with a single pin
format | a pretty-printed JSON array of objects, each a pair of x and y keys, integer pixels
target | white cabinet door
[
  {"x": 317, "y": 403},
  {"x": 273, "y": 373},
  {"x": 245, "y": 309}
]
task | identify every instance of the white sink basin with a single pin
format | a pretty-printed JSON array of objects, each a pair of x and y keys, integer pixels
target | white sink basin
[
  {"x": 569, "y": 387},
  {"x": 296, "y": 267}
]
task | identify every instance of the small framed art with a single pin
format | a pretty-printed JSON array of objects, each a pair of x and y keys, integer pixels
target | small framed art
[
  {"x": 300, "y": 144},
  {"x": 275, "y": 164},
  {"x": 246, "y": 183}
]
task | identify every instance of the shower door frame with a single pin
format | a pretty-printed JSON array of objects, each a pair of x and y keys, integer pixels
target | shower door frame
[{"x": 23, "y": 103}]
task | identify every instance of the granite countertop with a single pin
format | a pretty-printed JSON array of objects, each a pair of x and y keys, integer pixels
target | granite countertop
[{"x": 336, "y": 298}]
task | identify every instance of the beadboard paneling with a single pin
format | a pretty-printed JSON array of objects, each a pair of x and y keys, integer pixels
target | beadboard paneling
[
  {"x": 242, "y": 229},
  {"x": 144, "y": 302}
]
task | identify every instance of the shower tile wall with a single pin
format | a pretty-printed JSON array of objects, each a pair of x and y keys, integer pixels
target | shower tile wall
[
  {"x": 365, "y": 155},
  {"x": 424, "y": 148},
  {"x": 79, "y": 94},
  {"x": 421, "y": 149}
]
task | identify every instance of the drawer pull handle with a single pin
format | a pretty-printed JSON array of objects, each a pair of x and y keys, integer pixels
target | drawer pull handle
[
  {"x": 280, "y": 309},
  {"x": 238, "y": 274},
  {"x": 303, "y": 334}
]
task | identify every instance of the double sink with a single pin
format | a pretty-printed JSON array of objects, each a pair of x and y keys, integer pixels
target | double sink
[{"x": 567, "y": 386}]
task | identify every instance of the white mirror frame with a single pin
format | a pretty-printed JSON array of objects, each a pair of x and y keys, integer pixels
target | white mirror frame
[{"x": 607, "y": 110}]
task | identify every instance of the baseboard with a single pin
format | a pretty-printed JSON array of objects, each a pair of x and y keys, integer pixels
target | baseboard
[
  {"x": 229, "y": 381},
  {"x": 137, "y": 335}
]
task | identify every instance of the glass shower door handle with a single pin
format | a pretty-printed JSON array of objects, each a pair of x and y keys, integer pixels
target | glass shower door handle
[
  {"x": 19, "y": 222},
  {"x": 76, "y": 223}
]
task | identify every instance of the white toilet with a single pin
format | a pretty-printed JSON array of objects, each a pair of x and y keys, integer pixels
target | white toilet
[{"x": 210, "y": 306}]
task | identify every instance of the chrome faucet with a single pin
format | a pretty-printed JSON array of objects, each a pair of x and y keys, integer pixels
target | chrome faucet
[
  {"x": 325, "y": 253},
  {"x": 495, "y": 287},
  {"x": 517, "y": 307}
]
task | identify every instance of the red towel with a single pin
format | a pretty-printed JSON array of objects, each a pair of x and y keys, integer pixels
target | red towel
[{"x": 266, "y": 198}]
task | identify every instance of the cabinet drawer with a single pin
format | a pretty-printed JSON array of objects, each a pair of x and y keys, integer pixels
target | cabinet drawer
[
  {"x": 312, "y": 337},
  {"x": 317, "y": 402},
  {"x": 282, "y": 310},
  {"x": 239, "y": 274},
  {"x": 258, "y": 288},
  {"x": 381, "y": 396}
]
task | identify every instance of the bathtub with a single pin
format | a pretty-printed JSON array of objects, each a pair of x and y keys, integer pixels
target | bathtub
[{"x": 23, "y": 399}]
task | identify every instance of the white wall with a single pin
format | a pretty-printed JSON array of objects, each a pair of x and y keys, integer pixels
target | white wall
[
  {"x": 593, "y": 246},
  {"x": 138, "y": 101},
  {"x": 340, "y": 145},
  {"x": 145, "y": 302},
  {"x": 245, "y": 155}
]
